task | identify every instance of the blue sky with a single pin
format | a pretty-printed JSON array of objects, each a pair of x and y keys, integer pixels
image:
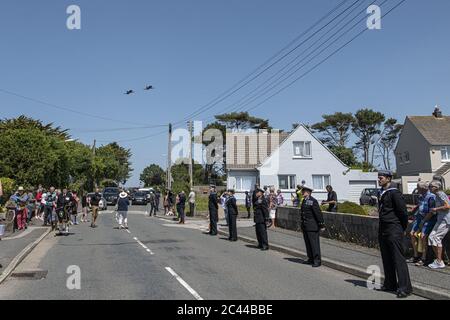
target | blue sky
[{"x": 192, "y": 51}]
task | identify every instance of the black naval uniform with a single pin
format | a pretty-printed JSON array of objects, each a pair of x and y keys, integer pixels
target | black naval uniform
[
  {"x": 213, "y": 207},
  {"x": 393, "y": 223},
  {"x": 261, "y": 215},
  {"x": 312, "y": 222},
  {"x": 232, "y": 217}
]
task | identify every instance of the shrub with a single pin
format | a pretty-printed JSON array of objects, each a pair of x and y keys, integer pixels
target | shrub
[
  {"x": 447, "y": 192},
  {"x": 9, "y": 187},
  {"x": 352, "y": 208}
]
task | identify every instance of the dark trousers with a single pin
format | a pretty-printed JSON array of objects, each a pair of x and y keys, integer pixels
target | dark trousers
[
  {"x": 191, "y": 209},
  {"x": 181, "y": 213},
  {"x": 248, "y": 212},
  {"x": 312, "y": 243},
  {"x": 213, "y": 217},
  {"x": 48, "y": 211},
  {"x": 261, "y": 235},
  {"x": 157, "y": 205},
  {"x": 396, "y": 273},
  {"x": 232, "y": 227},
  {"x": 152, "y": 209}
]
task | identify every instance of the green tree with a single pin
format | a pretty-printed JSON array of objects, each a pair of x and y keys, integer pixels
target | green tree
[
  {"x": 153, "y": 176},
  {"x": 366, "y": 128},
  {"x": 335, "y": 129},
  {"x": 118, "y": 162},
  {"x": 345, "y": 155},
  {"x": 214, "y": 171},
  {"x": 387, "y": 141},
  {"x": 241, "y": 120},
  {"x": 23, "y": 122}
]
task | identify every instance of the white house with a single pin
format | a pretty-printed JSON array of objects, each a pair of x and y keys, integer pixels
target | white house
[{"x": 299, "y": 157}]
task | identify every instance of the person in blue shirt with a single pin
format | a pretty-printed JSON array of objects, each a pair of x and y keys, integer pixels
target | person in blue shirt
[
  {"x": 122, "y": 208},
  {"x": 424, "y": 221}
]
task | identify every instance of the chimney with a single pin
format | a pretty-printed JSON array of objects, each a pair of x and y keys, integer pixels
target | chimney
[{"x": 437, "y": 112}]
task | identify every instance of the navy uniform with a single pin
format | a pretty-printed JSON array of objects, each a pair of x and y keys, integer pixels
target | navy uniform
[
  {"x": 261, "y": 217},
  {"x": 311, "y": 223},
  {"x": 213, "y": 208},
  {"x": 232, "y": 217},
  {"x": 393, "y": 219}
]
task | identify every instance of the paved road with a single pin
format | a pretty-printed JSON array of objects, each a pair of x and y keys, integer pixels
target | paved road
[{"x": 158, "y": 259}]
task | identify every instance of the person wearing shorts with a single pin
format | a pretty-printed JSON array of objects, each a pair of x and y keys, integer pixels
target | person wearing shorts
[
  {"x": 442, "y": 225},
  {"x": 95, "y": 201},
  {"x": 423, "y": 224}
]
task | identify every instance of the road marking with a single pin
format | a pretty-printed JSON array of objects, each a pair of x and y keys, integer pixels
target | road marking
[
  {"x": 128, "y": 231},
  {"x": 143, "y": 246},
  {"x": 184, "y": 284}
]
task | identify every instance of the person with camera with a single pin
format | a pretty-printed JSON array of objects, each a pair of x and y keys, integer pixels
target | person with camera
[{"x": 311, "y": 224}]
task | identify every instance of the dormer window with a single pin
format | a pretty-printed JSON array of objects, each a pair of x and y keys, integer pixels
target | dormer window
[{"x": 302, "y": 149}]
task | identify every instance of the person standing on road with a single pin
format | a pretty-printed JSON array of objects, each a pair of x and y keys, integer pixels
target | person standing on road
[
  {"x": 84, "y": 208},
  {"x": 50, "y": 205},
  {"x": 223, "y": 204},
  {"x": 232, "y": 215},
  {"x": 95, "y": 201},
  {"x": 181, "y": 206},
  {"x": 157, "y": 199},
  {"x": 152, "y": 200},
  {"x": 122, "y": 209},
  {"x": 332, "y": 200},
  {"x": 393, "y": 219},
  {"x": 442, "y": 225},
  {"x": 213, "y": 208},
  {"x": 261, "y": 219},
  {"x": 192, "y": 203},
  {"x": 248, "y": 203},
  {"x": 311, "y": 223}
]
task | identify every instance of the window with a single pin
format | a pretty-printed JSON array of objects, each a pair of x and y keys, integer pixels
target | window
[
  {"x": 445, "y": 153},
  {"x": 406, "y": 157},
  {"x": 286, "y": 182},
  {"x": 244, "y": 183},
  {"x": 302, "y": 149},
  {"x": 320, "y": 182}
]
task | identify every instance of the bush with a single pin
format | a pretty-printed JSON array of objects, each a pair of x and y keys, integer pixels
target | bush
[
  {"x": 447, "y": 192},
  {"x": 352, "y": 208},
  {"x": 9, "y": 187}
]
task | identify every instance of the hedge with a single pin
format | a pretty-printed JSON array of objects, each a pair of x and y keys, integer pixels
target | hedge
[{"x": 348, "y": 207}]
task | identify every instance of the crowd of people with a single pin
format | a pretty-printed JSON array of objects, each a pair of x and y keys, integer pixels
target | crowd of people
[{"x": 54, "y": 207}]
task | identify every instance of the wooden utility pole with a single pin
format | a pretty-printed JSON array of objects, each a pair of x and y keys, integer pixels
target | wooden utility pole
[
  {"x": 169, "y": 159},
  {"x": 191, "y": 179},
  {"x": 93, "y": 153}
]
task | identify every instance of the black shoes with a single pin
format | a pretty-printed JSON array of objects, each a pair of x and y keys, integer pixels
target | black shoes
[
  {"x": 402, "y": 294},
  {"x": 307, "y": 262}
]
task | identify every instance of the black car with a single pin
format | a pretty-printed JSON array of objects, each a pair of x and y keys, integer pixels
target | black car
[
  {"x": 369, "y": 197},
  {"x": 139, "y": 198},
  {"x": 111, "y": 195}
]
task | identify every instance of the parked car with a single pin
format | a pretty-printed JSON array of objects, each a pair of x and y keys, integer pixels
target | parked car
[
  {"x": 111, "y": 194},
  {"x": 139, "y": 198},
  {"x": 102, "y": 205},
  {"x": 369, "y": 197}
]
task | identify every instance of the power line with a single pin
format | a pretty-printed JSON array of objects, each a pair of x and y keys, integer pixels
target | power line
[
  {"x": 230, "y": 92},
  {"x": 245, "y": 101},
  {"x": 118, "y": 129},
  {"x": 324, "y": 60},
  {"x": 66, "y": 108}
]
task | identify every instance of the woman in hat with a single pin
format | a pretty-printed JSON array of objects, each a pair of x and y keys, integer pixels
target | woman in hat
[{"x": 122, "y": 209}]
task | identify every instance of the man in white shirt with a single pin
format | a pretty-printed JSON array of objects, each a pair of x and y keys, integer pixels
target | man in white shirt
[{"x": 191, "y": 200}]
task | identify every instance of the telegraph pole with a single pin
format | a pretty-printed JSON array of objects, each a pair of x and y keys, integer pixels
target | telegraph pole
[
  {"x": 169, "y": 159},
  {"x": 191, "y": 179},
  {"x": 93, "y": 153}
]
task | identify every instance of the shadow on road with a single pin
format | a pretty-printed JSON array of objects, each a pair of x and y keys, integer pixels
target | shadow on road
[
  {"x": 295, "y": 260},
  {"x": 357, "y": 283}
]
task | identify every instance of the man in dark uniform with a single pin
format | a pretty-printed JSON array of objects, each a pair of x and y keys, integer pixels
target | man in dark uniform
[
  {"x": 213, "y": 208},
  {"x": 181, "y": 206},
  {"x": 261, "y": 218},
  {"x": 393, "y": 218},
  {"x": 232, "y": 215},
  {"x": 312, "y": 223}
]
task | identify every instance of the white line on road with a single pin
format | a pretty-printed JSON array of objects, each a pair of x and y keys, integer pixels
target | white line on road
[
  {"x": 184, "y": 284},
  {"x": 143, "y": 246}
]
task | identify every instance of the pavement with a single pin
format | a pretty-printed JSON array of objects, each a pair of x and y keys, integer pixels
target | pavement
[
  {"x": 15, "y": 246},
  {"x": 159, "y": 259}
]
